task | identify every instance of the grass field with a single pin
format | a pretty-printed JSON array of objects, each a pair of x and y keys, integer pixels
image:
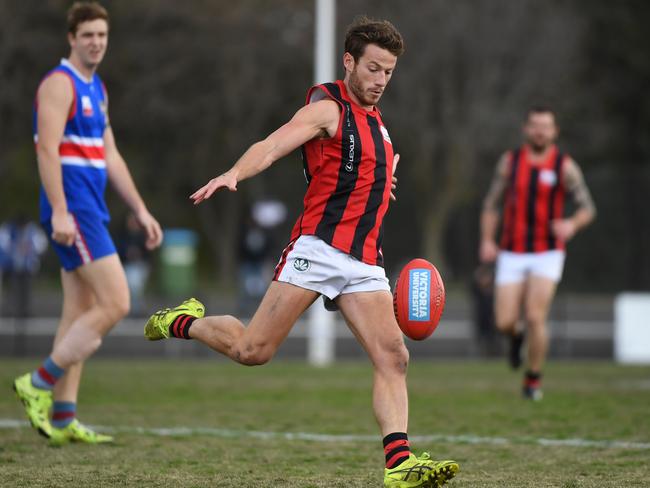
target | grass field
[{"x": 237, "y": 421}]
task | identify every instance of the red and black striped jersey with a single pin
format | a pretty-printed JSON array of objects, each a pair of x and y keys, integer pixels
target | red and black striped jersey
[
  {"x": 349, "y": 180},
  {"x": 534, "y": 198}
]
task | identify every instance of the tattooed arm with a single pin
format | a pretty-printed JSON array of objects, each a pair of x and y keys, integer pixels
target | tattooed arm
[
  {"x": 490, "y": 215},
  {"x": 575, "y": 184}
]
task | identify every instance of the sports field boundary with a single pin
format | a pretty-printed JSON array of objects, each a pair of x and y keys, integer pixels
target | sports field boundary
[{"x": 7, "y": 423}]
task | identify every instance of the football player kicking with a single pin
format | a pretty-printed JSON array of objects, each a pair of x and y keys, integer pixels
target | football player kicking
[{"x": 335, "y": 246}]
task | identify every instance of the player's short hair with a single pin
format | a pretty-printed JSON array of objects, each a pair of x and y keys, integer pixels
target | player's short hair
[
  {"x": 364, "y": 31},
  {"x": 81, "y": 12},
  {"x": 540, "y": 109}
]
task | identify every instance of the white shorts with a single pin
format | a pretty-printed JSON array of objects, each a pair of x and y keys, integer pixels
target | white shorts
[
  {"x": 514, "y": 267},
  {"x": 312, "y": 264}
]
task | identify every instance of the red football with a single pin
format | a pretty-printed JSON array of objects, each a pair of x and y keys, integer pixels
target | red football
[{"x": 418, "y": 299}]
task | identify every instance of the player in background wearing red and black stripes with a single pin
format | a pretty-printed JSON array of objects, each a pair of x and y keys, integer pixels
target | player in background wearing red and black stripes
[
  {"x": 533, "y": 181},
  {"x": 335, "y": 247}
]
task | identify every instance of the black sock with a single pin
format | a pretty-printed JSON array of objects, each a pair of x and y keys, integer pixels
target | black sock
[
  {"x": 516, "y": 340},
  {"x": 396, "y": 449},
  {"x": 180, "y": 327}
]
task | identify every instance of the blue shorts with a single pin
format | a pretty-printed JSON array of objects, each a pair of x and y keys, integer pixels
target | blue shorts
[{"x": 92, "y": 242}]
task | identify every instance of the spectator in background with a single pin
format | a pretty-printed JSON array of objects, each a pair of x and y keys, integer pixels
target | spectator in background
[
  {"x": 135, "y": 260},
  {"x": 21, "y": 242},
  {"x": 255, "y": 244},
  {"x": 5, "y": 263},
  {"x": 254, "y": 247}
]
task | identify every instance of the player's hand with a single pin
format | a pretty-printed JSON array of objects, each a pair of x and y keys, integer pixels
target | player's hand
[
  {"x": 393, "y": 186},
  {"x": 488, "y": 251},
  {"x": 64, "y": 230},
  {"x": 226, "y": 180},
  {"x": 564, "y": 229},
  {"x": 152, "y": 230}
]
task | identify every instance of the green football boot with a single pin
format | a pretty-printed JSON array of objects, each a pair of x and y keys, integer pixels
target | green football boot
[
  {"x": 37, "y": 403},
  {"x": 75, "y": 431},
  {"x": 420, "y": 472},
  {"x": 157, "y": 327}
]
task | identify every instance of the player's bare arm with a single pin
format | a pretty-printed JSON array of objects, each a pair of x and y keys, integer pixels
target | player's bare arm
[
  {"x": 490, "y": 214},
  {"x": 54, "y": 98},
  {"x": 574, "y": 182},
  {"x": 393, "y": 186},
  {"x": 318, "y": 119}
]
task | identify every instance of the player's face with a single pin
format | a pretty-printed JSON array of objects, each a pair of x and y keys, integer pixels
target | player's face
[
  {"x": 89, "y": 43},
  {"x": 540, "y": 130},
  {"x": 369, "y": 75}
]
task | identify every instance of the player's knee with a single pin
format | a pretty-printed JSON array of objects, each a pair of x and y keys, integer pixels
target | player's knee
[
  {"x": 124, "y": 308},
  {"x": 401, "y": 359},
  {"x": 254, "y": 358},
  {"x": 394, "y": 356},
  {"x": 121, "y": 309},
  {"x": 116, "y": 308},
  {"x": 505, "y": 324},
  {"x": 535, "y": 318},
  {"x": 251, "y": 355}
]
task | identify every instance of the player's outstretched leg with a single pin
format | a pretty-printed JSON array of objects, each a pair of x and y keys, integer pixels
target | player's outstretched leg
[
  {"x": 253, "y": 345},
  {"x": 174, "y": 321}
]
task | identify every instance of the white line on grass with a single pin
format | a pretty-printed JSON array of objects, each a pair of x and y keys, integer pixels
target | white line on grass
[{"x": 306, "y": 436}]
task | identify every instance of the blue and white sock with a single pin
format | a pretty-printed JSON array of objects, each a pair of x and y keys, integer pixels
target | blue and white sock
[
  {"x": 47, "y": 375},
  {"x": 63, "y": 413}
]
